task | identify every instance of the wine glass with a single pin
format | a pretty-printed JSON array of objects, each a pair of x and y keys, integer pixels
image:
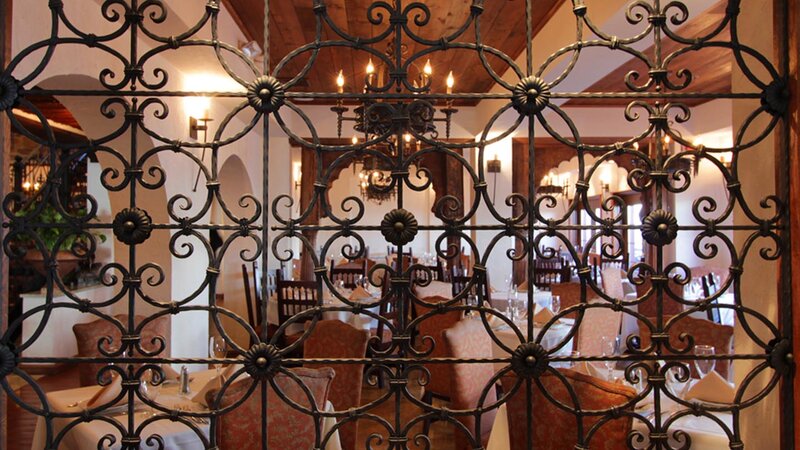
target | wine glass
[
  {"x": 150, "y": 387},
  {"x": 609, "y": 345},
  {"x": 678, "y": 380},
  {"x": 555, "y": 304},
  {"x": 704, "y": 366},
  {"x": 472, "y": 301},
  {"x": 512, "y": 302},
  {"x": 217, "y": 349}
]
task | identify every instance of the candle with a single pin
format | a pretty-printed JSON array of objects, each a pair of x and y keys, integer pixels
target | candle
[
  {"x": 340, "y": 82},
  {"x": 450, "y": 82}
]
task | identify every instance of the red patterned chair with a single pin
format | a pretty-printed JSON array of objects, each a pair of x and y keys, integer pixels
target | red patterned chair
[
  {"x": 335, "y": 339},
  {"x": 89, "y": 334},
  {"x": 469, "y": 339},
  {"x": 287, "y": 428},
  {"x": 704, "y": 332},
  {"x": 648, "y": 307},
  {"x": 433, "y": 326},
  {"x": 556, "y": 429}
]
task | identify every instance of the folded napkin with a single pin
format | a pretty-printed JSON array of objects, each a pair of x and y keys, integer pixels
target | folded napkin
[
  {"x": 543, "y": 316},
  {"x": 712, "y": 388},
  {"x": 359, "y": 293},
  {"x": 215, "y": 383},
  {"x": 108, "y": 393},
  {"x": 587, "y": 368}
]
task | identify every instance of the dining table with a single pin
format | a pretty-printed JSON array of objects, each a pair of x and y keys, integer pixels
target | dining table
[
  {"x": 704, "y": 432},
  {"x": 176, "y": 435}
]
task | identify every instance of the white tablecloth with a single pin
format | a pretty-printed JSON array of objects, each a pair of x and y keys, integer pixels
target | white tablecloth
[
  {"x": 555, "y": 334},
  {"x": 176, "y": 435},
  {"x": 360, "y": 321},
  {"x": 704, "y": 432}
]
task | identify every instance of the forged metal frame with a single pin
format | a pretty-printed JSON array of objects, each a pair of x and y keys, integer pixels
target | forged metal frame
[{"x": 133, "y": 94}]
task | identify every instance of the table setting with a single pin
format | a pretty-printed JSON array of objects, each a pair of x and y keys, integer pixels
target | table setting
[{"x": 176, "y": 435}]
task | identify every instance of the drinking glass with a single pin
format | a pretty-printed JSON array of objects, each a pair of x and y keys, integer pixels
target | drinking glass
[
  {"x": 217, "y": 348},
  {"x": 678, "y": 380},
  {"x": 704, "y": 366},
  {"x": 555, "y": 304},
  {"x": 472, "y": 301},
  {"x": 150, "y": 387},
  {"x": 609, "y": 345},
  {"x": 512, "y": 303}
]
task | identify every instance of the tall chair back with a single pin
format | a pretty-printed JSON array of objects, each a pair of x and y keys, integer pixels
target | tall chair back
[
  {"x": 335, "y": 339},
  {"x": 294, "y": 297},
  {"x": 554, "y": 428}
]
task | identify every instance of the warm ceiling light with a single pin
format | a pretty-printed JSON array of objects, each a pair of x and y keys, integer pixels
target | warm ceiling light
[
  {"x": 451, "y": 81},
  {"x": 667, "y": 140},
  {"x": 428, "y": 69},
  {"x": 636, "y": 146},
  {"x": 355, "y": 140},
  {"x": 340, "y": 82},
  {"x": 407, "y": 137},
  {"x": 370, "y": 67}
]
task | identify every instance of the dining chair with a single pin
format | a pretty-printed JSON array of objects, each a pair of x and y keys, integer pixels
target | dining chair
[
  {"x": 596, "y": 324},
  {"x": 468, "y": 339},
  {"x": 89, "y": 334},
  {"x": 554, "y": 428},
  {"x": 547, "y": 272},
  {"x": 569, "y": 294},
  {"x": 612, "y": 282},
  {"x": 460, "y": 283},
  {"x": 709, "y": 289},
  {"x": 295, "y": 297},
  {"x": 333, "y": 339},
  {"x": 440, "y": 384},
  {"x": 648, "y": 307},
  {"x": 287, "y": 427},
  {"x": 704, "y": 332},
  {"x": 349, "y": 273},
  {"x": 428, "y": 273}
]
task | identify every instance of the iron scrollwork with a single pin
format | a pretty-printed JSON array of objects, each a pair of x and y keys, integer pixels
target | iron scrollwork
[{"x": 134, "y": 92}]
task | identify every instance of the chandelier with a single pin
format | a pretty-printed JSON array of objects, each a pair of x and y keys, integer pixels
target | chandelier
[{"x": 376, "y": 117}]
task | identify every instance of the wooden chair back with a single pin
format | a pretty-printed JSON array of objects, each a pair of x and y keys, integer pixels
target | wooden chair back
[{"x": 295, "y": 297}]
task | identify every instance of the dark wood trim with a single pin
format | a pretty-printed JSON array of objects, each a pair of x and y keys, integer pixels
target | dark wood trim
[
  {"x": 6, "y": 8},
  {"x": 787, "y": 20},
  {"x": 549, "y": 154}
]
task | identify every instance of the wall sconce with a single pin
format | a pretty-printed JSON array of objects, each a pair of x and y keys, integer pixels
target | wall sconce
[
  {"x": 198, "y": 124},
  {"x": 494, "y": 165},
  {"x": 726, "y": 159},
  {"x": 297, "y": 170}
]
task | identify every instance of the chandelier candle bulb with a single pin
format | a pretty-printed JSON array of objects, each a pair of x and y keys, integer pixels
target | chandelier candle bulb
[
  {"x": 428, "y": 69},
  {"x": 340, "y": 82},
  {"x": 451, "y": 81}
]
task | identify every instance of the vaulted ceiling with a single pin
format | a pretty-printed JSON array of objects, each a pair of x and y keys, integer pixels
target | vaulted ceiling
[
  {"x": 502, "y": 26},
  {"x": 710, "y": 67}
]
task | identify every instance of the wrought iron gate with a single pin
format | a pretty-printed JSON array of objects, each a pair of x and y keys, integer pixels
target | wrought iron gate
[{"x": 135, "y": 95}]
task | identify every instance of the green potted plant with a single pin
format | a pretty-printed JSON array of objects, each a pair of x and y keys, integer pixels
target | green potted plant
[{"x": 73, "y": 249}]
